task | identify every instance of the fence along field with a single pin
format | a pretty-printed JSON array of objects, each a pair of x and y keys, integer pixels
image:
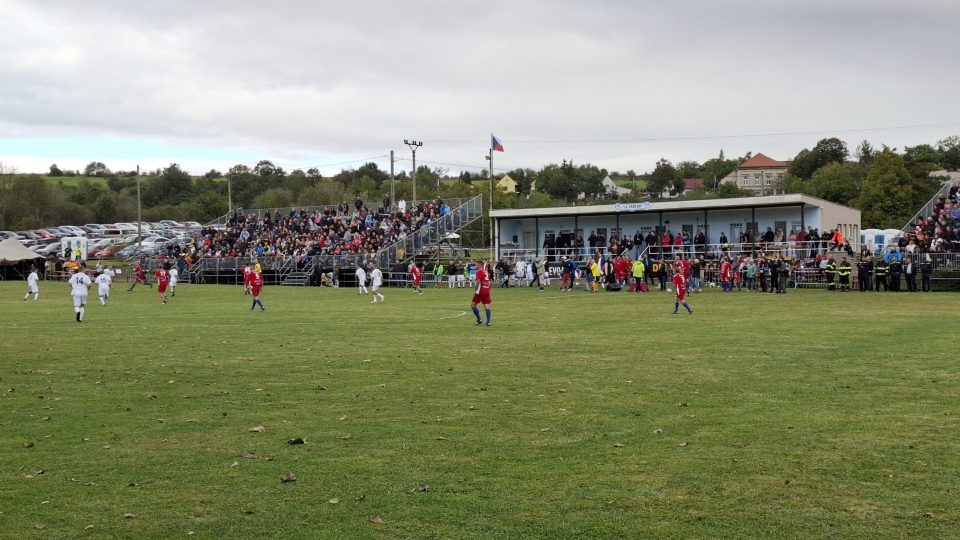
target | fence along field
[{"x": 802, "y": 415}]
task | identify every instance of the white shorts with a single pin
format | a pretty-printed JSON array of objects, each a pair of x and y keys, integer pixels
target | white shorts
[
  {"x": 375, "y": 287},
  {"x": 79, "y": 299},
  {"x": 103, "y": 291},
  {"x": 173, "y": 283},
  {"x": 33, "y": 289}
]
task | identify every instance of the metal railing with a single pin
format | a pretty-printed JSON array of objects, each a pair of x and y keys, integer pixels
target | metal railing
[
  {"x": 429, "y": 236},
  {"x": 927, "y": 209},
  {"x": 788, "y": 250}
]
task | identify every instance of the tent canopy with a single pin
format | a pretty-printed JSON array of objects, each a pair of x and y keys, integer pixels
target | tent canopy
[{"x": 12, "y": 252}]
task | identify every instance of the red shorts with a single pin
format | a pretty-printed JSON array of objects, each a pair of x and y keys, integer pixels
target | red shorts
[
  {"x": 256, "y": 291},
  {"x": 161, "y": 287},
  {"x": 482, "y": 299},
  {"x": 416, "y": 282},
  {"x": 681, "y": 295},
  {"x": 566, "y": 276}
]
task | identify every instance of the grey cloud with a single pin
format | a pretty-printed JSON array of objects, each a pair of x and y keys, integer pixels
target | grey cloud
[{"x": 308, "y": 79}]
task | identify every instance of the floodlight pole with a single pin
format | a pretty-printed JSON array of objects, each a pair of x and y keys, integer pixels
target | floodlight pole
[
  {"x": 413, "y": 149},
  {"x": 393, "y": 189},
  {"x": 139, "y": 217}
]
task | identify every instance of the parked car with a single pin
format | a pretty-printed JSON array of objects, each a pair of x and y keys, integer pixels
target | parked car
[
  {"x": 108, "y": 252},
  {"x": 158, "y": 241},
  {"x": 73, "y": 230},
  {"x": 9, "y": 234},
  {"x": 134, "y": 250},
  {"x": 125, "y": 227},
  {"x": 171, "y": 224},
  {"x": 52, "y": 248}
]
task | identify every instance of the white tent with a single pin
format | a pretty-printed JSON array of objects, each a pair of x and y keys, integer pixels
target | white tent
[{"x": 12, "y": 251}]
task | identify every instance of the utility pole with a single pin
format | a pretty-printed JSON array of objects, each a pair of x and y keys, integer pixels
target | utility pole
[
  {"x": 393, "y": 190},
  {"x": 229, "y": 197},
  {"x": 139, "y": 217},
  {"x": 413, "y": 148}
]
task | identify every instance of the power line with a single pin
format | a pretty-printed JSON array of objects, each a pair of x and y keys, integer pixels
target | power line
[
  {"x": 740, "y": 136},
  {"x": 351, "y": 161},
  {"x": 461, "y": 165}
]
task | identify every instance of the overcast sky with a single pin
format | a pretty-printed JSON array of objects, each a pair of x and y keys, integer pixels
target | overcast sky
[{"x": 618, "y": 84}]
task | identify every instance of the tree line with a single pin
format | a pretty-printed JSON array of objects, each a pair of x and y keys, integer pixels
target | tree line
[{"x": 886, "y": 185}]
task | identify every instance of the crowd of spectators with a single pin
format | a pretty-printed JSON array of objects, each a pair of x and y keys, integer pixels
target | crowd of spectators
[
  {"x": 936, "y": 233},
  {"x": 798, "y": 243},
  {"x": 344, "y": 230}
]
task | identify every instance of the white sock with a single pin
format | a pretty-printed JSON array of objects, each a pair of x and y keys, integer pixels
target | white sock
[
  {"x": 36, "y": 296},
  {"x": 81, "y": 313},
  {"x": 103, "y": 301}
]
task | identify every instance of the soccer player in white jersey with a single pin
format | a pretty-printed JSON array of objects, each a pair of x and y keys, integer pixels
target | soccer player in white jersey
[
  {"x": 361, "y": 280},
  {"x": 376, "y": 280},
  {"x": 33, "y": 286},
  {"x": 79, "y": 285},
  {"x": 174, "y": 275},
  {"x": 103, "y": 282}
]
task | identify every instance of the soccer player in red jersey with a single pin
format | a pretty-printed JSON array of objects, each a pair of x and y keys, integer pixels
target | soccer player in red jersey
[
  {"x": 416, "y": 274},
  {"x": 726, "y": 274},
  {"x": 256, "y": 284},
  {"x": 680, "y": 290},
  {"x": 481, "y": 295},
  {"x": 139, "y": 277},
  {"x": 247, "y": 274},
  {"x": 163, "y": 278}
]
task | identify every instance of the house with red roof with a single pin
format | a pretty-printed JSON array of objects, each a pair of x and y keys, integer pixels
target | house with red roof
[{"x": 759, "y": 174}]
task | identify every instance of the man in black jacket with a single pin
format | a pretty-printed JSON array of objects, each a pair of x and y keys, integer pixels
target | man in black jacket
[
  {"x": 926, "y": 269},
  {"x": 896, "y": 269},
  {"x": 865, "y": 273}
]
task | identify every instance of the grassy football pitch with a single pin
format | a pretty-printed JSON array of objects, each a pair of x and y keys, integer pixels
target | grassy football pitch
[{"x": 576, "y": 415}]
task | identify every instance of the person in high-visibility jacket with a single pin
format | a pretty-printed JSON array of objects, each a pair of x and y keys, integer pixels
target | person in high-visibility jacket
[
  {"x": 880, "y": 271},
  {"x": 830, "y": 272},
  {"x": 837, "y": 238},
  {"x": 595, "y": 272},
  {"x": 637, "y": 269},
  {"x": 844, "y": 272}
]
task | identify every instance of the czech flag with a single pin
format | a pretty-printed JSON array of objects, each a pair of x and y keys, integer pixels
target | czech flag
[{"x": 495, "y": 144}]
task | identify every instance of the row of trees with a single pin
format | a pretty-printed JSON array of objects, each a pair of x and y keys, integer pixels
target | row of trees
[{"x": 886, "y": 185}]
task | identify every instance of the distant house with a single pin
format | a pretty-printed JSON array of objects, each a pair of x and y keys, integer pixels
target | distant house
[
  {"x": 612, "y": 188},
  {"x": 759, "y": 174},
  {"x": 690, "y": 184},
  {"x": 953, "y": 176},
  {"x": 507, "y": 184}
]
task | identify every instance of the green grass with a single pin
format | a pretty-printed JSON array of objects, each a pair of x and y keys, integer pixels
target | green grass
[
  {"x": 75, "y": 180},
  {"x": 806, "y": 415}
]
